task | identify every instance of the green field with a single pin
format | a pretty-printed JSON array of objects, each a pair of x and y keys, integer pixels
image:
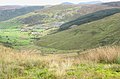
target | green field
[
  {"x": 14, "y": 38},
  {"x": 23, "y": 40}
]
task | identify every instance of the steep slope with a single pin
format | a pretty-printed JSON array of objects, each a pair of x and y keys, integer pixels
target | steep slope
[
  {"x": 90, "y": 35},
  {"x": 9, "y": 14},
  {"x": 89, "y": 18}
]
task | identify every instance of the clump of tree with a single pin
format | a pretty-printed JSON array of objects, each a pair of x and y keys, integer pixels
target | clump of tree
[{"x": 7, "y": 43}]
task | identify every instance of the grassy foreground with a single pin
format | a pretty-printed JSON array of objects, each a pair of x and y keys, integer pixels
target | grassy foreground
[{"x": 99, "y": 63}]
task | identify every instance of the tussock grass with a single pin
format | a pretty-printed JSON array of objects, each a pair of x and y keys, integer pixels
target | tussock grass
[
  {"x": 105, "y": 54},
  {"x": 30, "y": 64}
]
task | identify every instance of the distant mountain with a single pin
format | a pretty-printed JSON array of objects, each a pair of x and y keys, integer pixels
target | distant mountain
[
  {"x": 10, "y": 7},
  {"x": 91, "y": 2},
  {"x": 67, "y": 3},
  {"x": 9, "y": 14},
  {"x": 113, "y": 4}
]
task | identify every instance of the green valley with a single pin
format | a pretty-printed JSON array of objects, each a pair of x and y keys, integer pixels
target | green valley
[{"x": 59, "y": 41}]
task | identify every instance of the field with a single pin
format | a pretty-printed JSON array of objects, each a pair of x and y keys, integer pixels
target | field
[
  {"x": 14, "y": 37},
  {"x": 17, "y": 39},
  {"x": 99, "y": 63}
]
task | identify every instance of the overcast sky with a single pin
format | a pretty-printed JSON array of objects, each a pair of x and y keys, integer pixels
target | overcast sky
[{"x": 43, "y": 2}]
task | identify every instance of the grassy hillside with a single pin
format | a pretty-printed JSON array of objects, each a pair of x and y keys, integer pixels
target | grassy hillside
[
  {"x": 53, "y": 16},
  {"x": 89, "y": 18},
  {"x": 23, "y": 30},
  {"x": 100, "y": 63},
  {"x": 90, "y": 35},
  {"x": 9, "y": 14}
]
